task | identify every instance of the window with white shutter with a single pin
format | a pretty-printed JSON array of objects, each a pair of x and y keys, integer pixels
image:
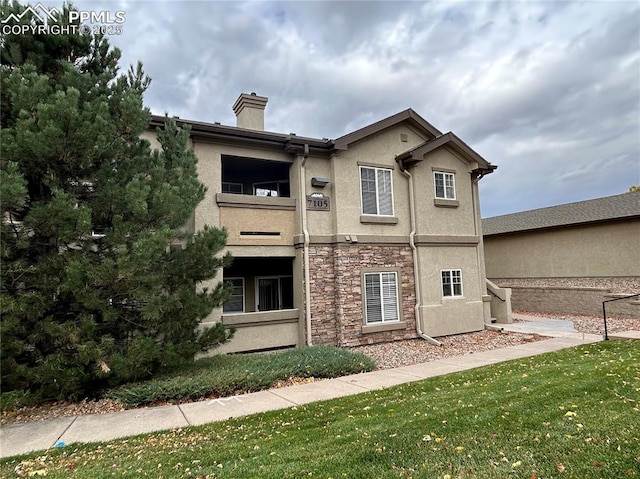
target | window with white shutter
[
  {"x": 376, "y": 185},
  {"x": 381, "y": 297}
]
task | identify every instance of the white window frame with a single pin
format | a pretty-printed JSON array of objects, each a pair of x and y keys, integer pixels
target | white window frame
[
  {"x": 377, "y": 170},
  {"x": 448, "y": 190},
  {"x": 451, "y": 273},
  {"x": 386, "y": 309},
  {"x": 244, "y": 295}
]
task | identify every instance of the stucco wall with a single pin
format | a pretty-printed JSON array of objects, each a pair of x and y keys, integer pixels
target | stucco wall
[
  {"x": 605, "y": 249},
  {"x": 238, "y": 220},
  {"x": 443, "y": 316},
  {"x": 379, "y": 150},
  {"x": 444, "y": 220},
  {"x": 320, "y": 222}
]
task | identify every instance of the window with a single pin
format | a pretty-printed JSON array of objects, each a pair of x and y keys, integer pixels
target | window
[
  {"x": 451, "y": 282},
  {"x": 235, "y": 303},
  {"x": 271, "y": 188},
  {"x": 445, "y": 185},
  {"x": 377, "y": 191},
  {"x": 274, "y": 292},
  {"x": 235, "y": 188},
  {"x": 381, "y": 297}
]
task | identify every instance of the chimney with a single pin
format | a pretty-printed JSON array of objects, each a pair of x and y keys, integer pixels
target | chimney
[{"x": 249, "y": 110}]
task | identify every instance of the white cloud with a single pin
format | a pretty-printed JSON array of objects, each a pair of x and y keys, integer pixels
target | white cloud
[{"x": 549, "y": 91}]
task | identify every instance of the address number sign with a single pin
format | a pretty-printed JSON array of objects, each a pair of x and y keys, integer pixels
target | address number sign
[{"x": 318, "y": 203}]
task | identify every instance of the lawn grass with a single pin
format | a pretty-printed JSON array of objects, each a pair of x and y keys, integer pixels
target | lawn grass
[{"x": 569, "y": 414}]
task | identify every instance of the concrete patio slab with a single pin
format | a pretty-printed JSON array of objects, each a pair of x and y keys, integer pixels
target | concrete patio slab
[
  {"x": 32, "y": 436},
  {"x": 204, "y": 412},
  {"x": 104, "y": 427}
]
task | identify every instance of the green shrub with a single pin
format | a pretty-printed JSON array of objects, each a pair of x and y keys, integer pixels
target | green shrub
[
  {"x": 225, "y": 375},
  {"x": 17, "y": 399}
]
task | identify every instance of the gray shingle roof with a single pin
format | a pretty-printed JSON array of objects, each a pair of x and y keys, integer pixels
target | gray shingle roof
[{"x": 610, "y": 208}]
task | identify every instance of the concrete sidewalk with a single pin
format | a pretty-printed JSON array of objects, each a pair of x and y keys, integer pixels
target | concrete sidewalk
[{"x": 26, "y": 437}]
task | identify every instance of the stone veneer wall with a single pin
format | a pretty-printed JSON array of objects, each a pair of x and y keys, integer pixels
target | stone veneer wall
[
  {"x": 574, "y": 295},
  {"x": 337, "y": 314},
  {"x": 323, "y": 295}
]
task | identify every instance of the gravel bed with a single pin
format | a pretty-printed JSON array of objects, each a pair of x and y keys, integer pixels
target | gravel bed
[
  {"x": 589, "y": 324},
  {"x": 414, "y": 351},
  {"x": 628, "y": 284}
]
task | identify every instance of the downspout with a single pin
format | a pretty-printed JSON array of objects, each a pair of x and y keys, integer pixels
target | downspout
[
  {"x": 305, "y": 232},
  {"x": 416, "y": 263},
  {"x": 478, "y": 229}
]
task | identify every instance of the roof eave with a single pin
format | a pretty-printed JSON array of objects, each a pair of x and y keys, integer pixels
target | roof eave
[
  {"x": 415, "y": 155},
  {"x": 562, "y": 226},
  {"x": 343, "y": 142},
  {"x": 223, "y": 133}
]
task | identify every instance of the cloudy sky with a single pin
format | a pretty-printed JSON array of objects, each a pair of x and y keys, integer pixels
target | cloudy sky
[{"x": 548, "y": 91}]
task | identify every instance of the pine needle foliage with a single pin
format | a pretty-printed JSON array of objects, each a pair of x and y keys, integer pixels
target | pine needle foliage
[{"x": 101, "y": 277}]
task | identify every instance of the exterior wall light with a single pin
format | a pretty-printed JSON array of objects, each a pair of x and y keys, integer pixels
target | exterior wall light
[{"x": 319, "y": 181}]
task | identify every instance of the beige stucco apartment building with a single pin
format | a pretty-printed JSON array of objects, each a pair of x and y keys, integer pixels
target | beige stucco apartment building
[
  {"x": 380, "y": 230},
  {"x": 569, "y": 258}
]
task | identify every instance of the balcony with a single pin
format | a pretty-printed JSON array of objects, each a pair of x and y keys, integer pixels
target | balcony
[
  {"x": 262, "y": 306},
  {"x": 255, "y": 204}
]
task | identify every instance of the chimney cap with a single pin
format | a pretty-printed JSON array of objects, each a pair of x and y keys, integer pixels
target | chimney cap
[{"x": 246, "y": 100}]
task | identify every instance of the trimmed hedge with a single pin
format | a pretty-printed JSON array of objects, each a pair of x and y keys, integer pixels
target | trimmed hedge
[{"x": 225, "y": 375}]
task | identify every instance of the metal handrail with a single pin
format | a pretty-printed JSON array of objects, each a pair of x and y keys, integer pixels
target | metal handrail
[{"x": 604, "y": 311}]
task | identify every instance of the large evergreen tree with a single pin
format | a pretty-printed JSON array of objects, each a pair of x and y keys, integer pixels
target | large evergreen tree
[{"x": 92, "y": 292}]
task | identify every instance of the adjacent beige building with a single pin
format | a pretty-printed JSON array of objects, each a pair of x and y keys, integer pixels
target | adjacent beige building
[
  {"x": 569, "y": 258},
  {"x": 373, "y": 236}
]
